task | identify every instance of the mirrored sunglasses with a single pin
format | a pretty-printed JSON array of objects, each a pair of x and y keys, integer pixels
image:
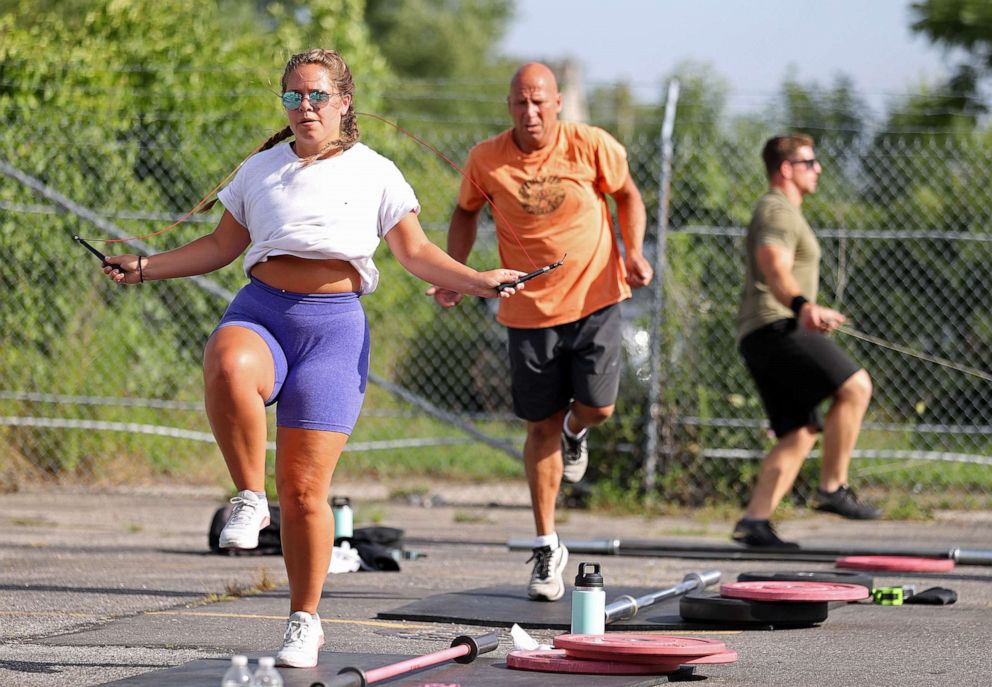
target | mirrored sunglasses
[{"x": 292, "y": 100}]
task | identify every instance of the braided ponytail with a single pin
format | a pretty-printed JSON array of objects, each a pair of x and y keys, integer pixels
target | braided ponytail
[
  {"x": 278, "y": 136},
  {"x": 341, "y": 78}
]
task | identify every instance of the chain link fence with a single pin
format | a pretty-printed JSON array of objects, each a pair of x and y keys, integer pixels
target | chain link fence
[{"x": 103, "y": 383}]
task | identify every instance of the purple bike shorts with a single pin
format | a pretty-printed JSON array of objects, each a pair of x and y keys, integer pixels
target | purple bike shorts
[{"x": 320, "y": 350}]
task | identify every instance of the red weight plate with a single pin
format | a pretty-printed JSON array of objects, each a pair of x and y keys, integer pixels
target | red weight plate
[
  {"x": 624, "y": 644},
  {"x": 728, "y": 656},
  {"x": 896, "y": 563},
  {"x": 556, "y": 661},
  {"x": 782, "y": 590}
]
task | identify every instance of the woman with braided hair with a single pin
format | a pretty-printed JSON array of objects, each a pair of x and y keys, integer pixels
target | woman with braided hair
[{"x": 310, "y": 211}]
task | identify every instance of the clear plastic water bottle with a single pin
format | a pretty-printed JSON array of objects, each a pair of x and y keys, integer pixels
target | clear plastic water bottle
[
  {"x": 267, "y": 675},
  {"x": 238, "y": 674},
  {"x": 588, "y": 601}
]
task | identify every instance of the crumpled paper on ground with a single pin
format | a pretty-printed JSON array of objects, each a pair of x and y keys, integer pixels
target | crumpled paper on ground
[{"x": 524, "y": 642}]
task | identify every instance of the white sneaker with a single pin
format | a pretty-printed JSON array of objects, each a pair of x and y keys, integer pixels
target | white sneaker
[
  {"x": 249, "y": 517},
  {"x": 303, "y": 639},
  {"x": 546, "y": 583}
]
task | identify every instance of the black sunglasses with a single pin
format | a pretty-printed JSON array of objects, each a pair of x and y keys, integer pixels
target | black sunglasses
[
  {"x": 292, "y": 100},
  {"x": 810, "y": 163}
]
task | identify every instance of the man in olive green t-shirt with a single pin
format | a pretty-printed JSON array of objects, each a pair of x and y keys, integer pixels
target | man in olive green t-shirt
[{"x": 782, "y": 336}]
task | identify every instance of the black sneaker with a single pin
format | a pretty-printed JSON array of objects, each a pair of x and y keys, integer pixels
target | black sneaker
[
  {"x": 759, "y": 533},
  {"x": 846, "y": 503}
]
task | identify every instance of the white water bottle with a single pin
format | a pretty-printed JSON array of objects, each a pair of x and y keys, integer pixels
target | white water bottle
[
  {"x": 238, "y": 674},
  {"x": 267, "y": 675}
]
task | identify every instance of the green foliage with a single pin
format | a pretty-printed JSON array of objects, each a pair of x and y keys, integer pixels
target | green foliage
[
  {"x": 124, "y": 106},
  {"x": 911, "y": 180},
  {"x": 443, "y": 53},
  {"x": 455, "y": 360},
  {"x": 136, "y": 109},
  {"x": 838, "y": 112},
  {"x": 963, "y": 24},
  {"x": 439, "y": 39},
  {"x": 949, "y": 108}
]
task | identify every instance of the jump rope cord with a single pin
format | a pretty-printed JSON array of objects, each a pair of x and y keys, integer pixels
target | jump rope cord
[
  {"x": 196, "y": 208},
  {"x": 975, "y": 372},
  {"x": 496, "y": 211},
  {"x": 203, "y": 201}
]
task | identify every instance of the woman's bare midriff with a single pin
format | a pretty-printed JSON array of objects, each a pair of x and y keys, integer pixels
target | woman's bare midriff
[{"x": 303, "y": 275}]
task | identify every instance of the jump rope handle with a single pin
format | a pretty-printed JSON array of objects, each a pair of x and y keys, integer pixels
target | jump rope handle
[
  {"x": 536, "y": 273},
  {"x": 103, "y": 258}
]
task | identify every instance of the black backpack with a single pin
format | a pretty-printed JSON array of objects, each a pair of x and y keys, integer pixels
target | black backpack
[
  {"x": 269, "y": 543},
  {"x": 380, "y": 548}
]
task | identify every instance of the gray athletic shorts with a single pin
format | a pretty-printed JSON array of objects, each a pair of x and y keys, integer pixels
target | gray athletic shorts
[
  {"x": 794, "y": 370},
  {"x": 552, "y": 365}
]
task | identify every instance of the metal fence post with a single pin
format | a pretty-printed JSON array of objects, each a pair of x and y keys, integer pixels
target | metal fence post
[{"x": 657, "y": 311}]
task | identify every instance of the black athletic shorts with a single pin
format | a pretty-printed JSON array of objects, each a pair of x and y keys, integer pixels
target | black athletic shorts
[
  {"x": 552, "y": 365},
  {"x": 794, "y": 370}
]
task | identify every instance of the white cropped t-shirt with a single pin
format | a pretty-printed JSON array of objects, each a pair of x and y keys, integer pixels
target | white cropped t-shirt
[{"x": 336, "y": 208}]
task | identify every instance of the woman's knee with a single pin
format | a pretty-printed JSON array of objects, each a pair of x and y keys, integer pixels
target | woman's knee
[
  {"x": 301, "y": 499},
  {"x": 232, "y": 361}
]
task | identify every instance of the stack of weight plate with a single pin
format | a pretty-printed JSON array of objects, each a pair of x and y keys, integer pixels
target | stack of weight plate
[
  {"x": 622, "y": 653},
  {"x": 895, "y": 563},
  {"x": 796, "y": 599}
]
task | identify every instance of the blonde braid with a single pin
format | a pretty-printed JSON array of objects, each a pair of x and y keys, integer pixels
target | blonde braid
[
  {"x": 345, "y": 85},
  {"x": 278, "y": 136}
]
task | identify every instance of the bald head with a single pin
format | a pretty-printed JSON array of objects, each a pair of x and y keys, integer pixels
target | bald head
[
  {"x": 534, "y": 73},
  {"x": 534, "y": 104}
]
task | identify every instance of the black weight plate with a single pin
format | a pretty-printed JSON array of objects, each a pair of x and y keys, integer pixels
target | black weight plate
[
  {"x": 830, "y": 576},
  {"x": 712, "y": 608}
]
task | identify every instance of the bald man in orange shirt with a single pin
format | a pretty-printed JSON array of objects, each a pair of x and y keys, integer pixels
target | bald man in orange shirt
[{"x": 549, "y": 181}]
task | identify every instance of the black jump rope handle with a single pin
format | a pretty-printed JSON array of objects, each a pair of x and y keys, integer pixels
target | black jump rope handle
[
  {"x": 101, "y": 256},
  {"x": 529, "y": 275}
]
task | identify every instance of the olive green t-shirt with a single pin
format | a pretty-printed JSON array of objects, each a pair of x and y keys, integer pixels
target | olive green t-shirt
[{"x": 779, "y": 222}]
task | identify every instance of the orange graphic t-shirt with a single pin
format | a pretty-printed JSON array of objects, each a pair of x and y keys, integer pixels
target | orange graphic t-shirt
[{"x": 550, "y": 203}]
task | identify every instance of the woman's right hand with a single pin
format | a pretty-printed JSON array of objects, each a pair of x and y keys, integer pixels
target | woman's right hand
[{"x": 123, "y": 269}]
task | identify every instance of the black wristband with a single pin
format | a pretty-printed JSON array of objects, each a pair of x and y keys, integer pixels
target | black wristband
[
  {"x": 141, "y": 273},
  {"x": 797, "y": 304}
]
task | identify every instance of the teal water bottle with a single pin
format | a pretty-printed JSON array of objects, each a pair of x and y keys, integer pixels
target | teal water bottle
[
  {"x": 588, "y": 601},
  {"x": 343, "y": 517}
]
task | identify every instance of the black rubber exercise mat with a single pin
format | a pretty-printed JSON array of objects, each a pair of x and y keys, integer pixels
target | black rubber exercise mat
[
  {"x": 504, "y": 605},
  {"x": 482, "y": 672}
]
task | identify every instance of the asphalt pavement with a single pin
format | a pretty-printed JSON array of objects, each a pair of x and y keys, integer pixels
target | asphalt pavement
[{"x": 98, "y": 586}]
